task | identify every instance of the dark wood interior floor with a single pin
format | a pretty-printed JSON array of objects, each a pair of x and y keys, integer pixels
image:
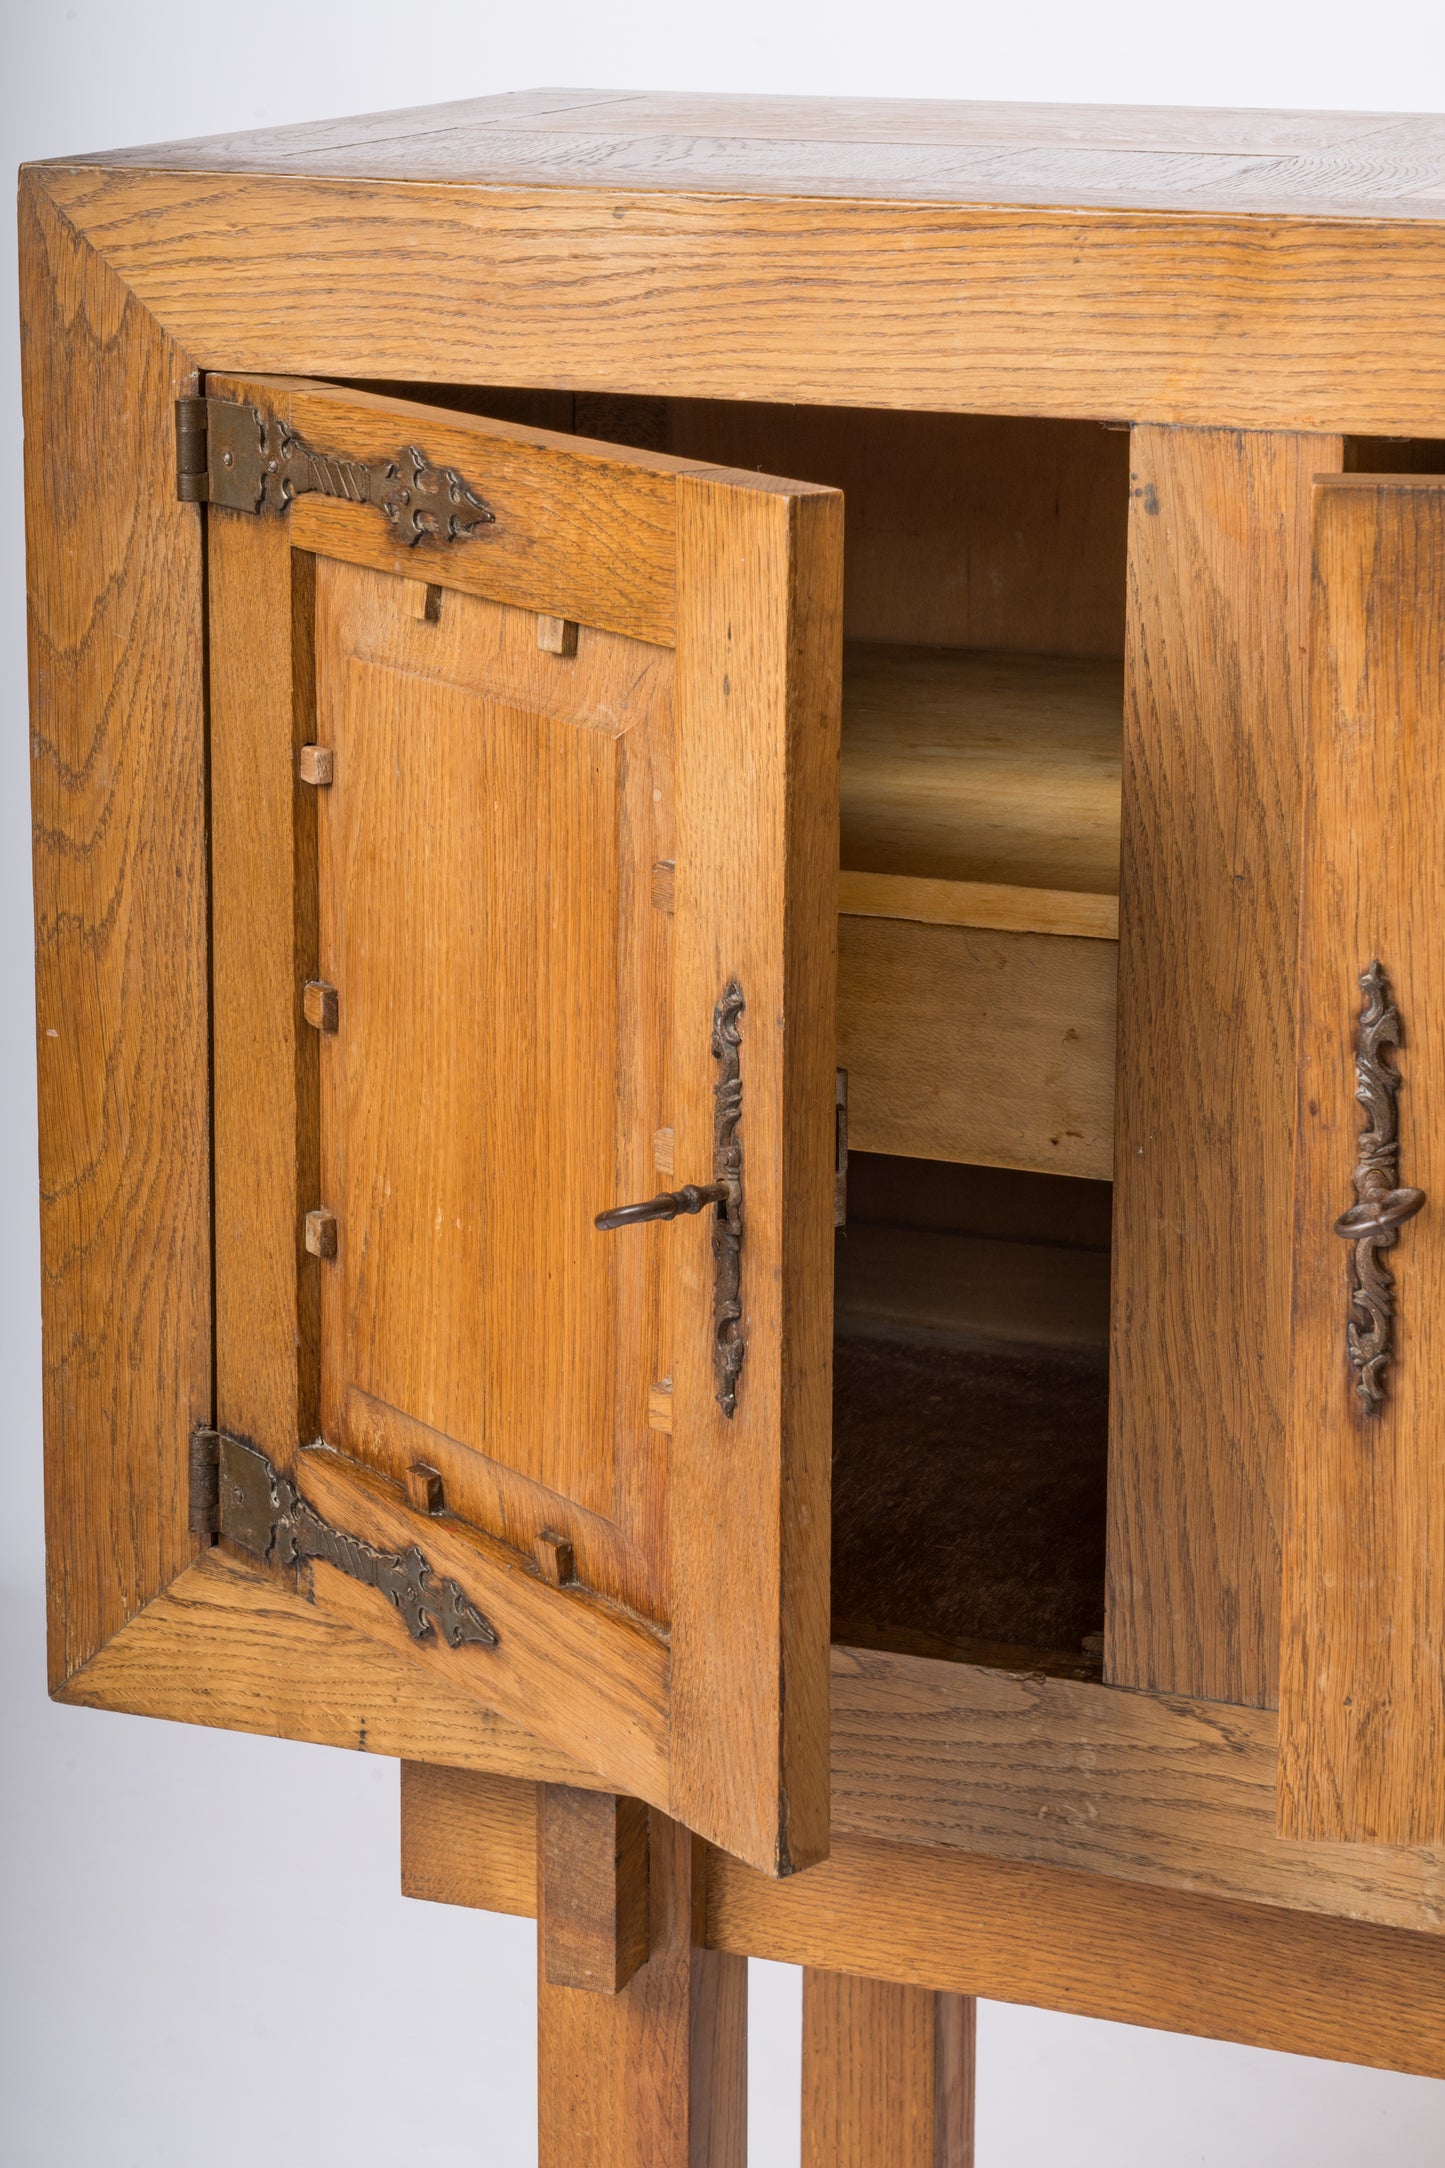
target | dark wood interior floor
[{"x": 968, "y": 1502}]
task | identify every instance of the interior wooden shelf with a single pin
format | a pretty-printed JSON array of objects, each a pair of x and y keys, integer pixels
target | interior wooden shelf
[{"x": 982, "y": 789}]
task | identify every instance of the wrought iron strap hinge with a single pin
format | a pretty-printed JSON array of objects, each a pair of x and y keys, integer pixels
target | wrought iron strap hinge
[
  {"x": 236, "y": 1489},
  {"x": 235, "y": 455}
]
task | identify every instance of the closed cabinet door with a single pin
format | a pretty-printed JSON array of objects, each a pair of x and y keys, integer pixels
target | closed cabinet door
[
  {"x": 1362, "y": 1718},
  {"x": 525, "y": 818}
]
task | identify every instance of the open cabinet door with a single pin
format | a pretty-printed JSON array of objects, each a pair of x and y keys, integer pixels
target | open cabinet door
[
  {"x": 1362, "y": 1717},
  {"x": 524, "y": 781}
]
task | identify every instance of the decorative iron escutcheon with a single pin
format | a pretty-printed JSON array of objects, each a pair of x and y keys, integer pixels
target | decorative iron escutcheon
[
  {"x": 262, "y": 1510},
  {"x": 1373, "y": 1222},
  {"x": 235, "y": 455},
  {"x": 724, "y": 1193}
]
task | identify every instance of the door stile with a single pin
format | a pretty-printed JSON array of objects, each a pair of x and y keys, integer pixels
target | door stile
[
  {"x": 758, "y": 721},
  {"x": 1208, "y": 910},
  {"x": 266, "y": 1076},
  {"x": 1362, "y": 1705}
]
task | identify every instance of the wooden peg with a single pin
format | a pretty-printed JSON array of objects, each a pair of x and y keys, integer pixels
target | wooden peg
[
  {"x": 320, "y": 1005},
  {"x": 555, "y": 1560},
  {"x": 321, "y": 1233},
  {"x": 424, "y": 1488},
  {"x": 316, "y": 764},
  {"x": 664, "y": 1150},
  {"x": 663, "y": 883},
  {"x": 659, "y": 1405},
  {"x": 432, "y": 607},
  {"x": 557, "y": 635}
]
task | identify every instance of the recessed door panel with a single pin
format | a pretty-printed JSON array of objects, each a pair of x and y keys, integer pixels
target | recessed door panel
[{"x": 498, "y": 1070}]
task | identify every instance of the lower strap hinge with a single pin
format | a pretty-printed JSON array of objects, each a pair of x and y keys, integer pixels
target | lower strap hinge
[{"x": 236, "y": 1492}]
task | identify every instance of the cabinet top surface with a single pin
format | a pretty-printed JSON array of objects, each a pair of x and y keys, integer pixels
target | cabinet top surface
[{"x": 1174, "y": 159}]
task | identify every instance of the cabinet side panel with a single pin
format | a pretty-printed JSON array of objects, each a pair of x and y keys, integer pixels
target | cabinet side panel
[
  {"x": 1362, "y": 1704},
  {"x": 1213, "y": 721},
  {"x": 118, "y": 782}
]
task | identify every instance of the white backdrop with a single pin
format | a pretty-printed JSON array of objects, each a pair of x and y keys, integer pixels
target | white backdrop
[{"x": 206, "y": 1960}]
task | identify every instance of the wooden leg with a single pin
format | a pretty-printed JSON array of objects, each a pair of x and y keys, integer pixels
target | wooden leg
[
  {"x": 655, "y": 2075},
  {"x": 887, "y": 2074}
]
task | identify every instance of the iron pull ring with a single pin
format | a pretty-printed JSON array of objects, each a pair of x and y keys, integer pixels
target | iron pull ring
[
  {"x": 666, "y": 1206},
  {"x": 1368, "y": 1220}
]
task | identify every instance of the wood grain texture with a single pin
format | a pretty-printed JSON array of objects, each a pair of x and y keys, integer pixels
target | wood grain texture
[
  {"x": 1002, "y": 908},
  {"x": 592, "y": 1888},
  {"x": 265, "y": 1060},
  {"x": 1068, "y": 1773},
  {"x": 534, "y": 959},
  {"x": 969, "y": 531},
  {"x": 469, "y": 1839},
  {"x": 964, "y": 1043},
  {"x": 1055, "y": 1940},
  {"x": 582, "y": 531},
  {"x": 485, "y": 856},
  {"x": 1131, "y": 1787},
  {"x": 585, "y": 1674},
  {"x": 888, "y": 2074},
  {"x": 957, "y": 1923},
  {"x": 1167, "y": 158},
  {"x": 758, "y": 670},
  {"x": 986, "y": 767},
  {"x": 230, "y": 1646},
  {"x": 1362, "y": 1702},
  {"x": 1254, "y": 130},
  {"x": 118, "y": 795},
  {"x": 1204, "y": 319},
  {"x": 1214, "y": 720},
  {"x": 656, "y": 2076}
]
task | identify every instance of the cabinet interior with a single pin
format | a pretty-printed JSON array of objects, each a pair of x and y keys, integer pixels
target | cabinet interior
[{"x": 984, "y": 617}]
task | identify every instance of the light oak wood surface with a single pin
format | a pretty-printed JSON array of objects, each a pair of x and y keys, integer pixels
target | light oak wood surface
[
  {"x": 118, "y": 784},
  {"x": 1202, "y": 318},
  {"x": 978, "y": 531},
  {"x": 231, "y": 1646},
  {"x": 971, "y": 1044},
  {"x": 1129, "y": 1786},
  {"x": 980, "y": 791},
  {"x": 992, "y": 768},
  {"x": 265, "y": 1074},
  {"x": 485, "y": 854},
  {"x": 1362, "y": 1704},
  {"x": 536, "y": 954},
  {"x": 593, "y": 1678},
  {"x": 592, "y": 1889},
  {"x": 656, "y": 2075},
  {"x": 759, "y": 660},
  {"x": 1162, "y": 157},
  {"x": 461, "y": 1830},
  {"x": 1214, "y": 722},
  {"x": 888, "y": 2075},
  {"x": 1038, "y": 1935},
  {"x": 1068, "y": 1773},
  {"x": 958, "y": 1923}
]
